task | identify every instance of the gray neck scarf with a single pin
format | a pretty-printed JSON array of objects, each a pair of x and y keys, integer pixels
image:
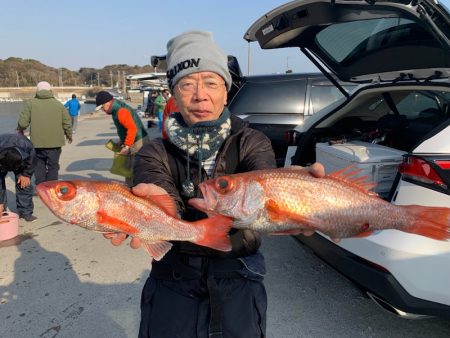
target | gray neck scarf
[
  {"x": 200, "y": 141},
  {"x": 203, "y": 139}
]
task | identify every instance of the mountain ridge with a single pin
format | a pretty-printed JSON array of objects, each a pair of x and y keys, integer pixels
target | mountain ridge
[{"x": 18, "y": 72}]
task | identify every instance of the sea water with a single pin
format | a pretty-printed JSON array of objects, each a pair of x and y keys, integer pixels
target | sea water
[{"x": 10, "y": 112}]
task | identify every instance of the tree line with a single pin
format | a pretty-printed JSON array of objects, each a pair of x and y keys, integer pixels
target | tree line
[{"x": 18, "y": 72}]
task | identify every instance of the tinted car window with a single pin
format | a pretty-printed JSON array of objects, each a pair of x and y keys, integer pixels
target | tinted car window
[
  {"x": 415, "y": 103},
  {"x": 260, "y": 98},
  {"x": 368, "y": 36},
  {"x": 323, "y": 95}
]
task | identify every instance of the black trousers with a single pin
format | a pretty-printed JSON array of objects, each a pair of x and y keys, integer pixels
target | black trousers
[
  {"x": 47, "y": 166},
  {"x": 181, "y": 308},
  {"x": 24, "y": 197}
]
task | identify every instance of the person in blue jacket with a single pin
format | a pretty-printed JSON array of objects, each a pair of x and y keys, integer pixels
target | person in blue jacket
[
  {"x": 73, "y": 106},
  {"x": 17, "y": 155}
]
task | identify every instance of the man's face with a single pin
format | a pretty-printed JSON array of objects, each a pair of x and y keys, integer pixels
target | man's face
[
  {"x": 200, "y": 97},
  {"x": 106, "y": 106}
]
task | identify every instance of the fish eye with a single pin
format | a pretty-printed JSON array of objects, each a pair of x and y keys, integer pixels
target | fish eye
[
  {"x": 224, "y": 184},
  {"x": 65, "y": 191}
]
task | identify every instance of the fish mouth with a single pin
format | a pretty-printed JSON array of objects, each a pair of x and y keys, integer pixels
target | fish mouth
[
  {"x": 42, "y": 190},
  {"x": 206, "y": 204}
]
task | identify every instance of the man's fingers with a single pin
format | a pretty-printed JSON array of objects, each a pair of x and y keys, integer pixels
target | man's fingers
[
  {"x": 147, "y": 189},
  {"x": 135, "y": 243},
  {"x": 117, "y": 239},
  {"x": 308, "y": 232},
  {"x": 317, "y": 170}
]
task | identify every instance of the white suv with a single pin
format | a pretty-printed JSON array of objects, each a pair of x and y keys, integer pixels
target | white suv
[{"x": 395, "y": 126}]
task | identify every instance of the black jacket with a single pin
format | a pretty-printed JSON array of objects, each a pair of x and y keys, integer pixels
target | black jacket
[
  {"x": 152, "y": 163},
  {"x": 26, "y": 149}
]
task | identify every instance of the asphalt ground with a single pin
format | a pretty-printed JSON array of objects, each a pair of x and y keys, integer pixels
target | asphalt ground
[{"x": 59, "y": 280}]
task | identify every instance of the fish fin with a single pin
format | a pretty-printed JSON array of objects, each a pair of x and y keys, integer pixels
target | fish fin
[
  {"x": 215, "y": 232},
  {"x": 349, "y": 174},
  {"x": 104, "y": 220},
  {"x": 276, "y": 214},
  {"x": 432, "y": 222},
  {"x": 166, "y": 203},
  {"x": 157, "y": 249}
]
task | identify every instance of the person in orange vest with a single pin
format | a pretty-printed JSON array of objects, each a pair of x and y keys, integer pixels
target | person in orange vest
[{"x": 171, "y": 107}]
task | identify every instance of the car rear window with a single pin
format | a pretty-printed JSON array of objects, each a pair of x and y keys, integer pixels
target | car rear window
[
  {"x": 282, "y": 97},
  {"x": 366, "y": 36}
]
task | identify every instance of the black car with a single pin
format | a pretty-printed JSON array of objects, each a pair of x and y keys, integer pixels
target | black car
[{"x": 276, "y": 104}]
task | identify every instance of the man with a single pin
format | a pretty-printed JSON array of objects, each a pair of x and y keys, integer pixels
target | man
[
  {"x": 195, "y": 291},
  {"x": 17, "y": 155},
  {"x": 73, "y": 106},
  {"x": 49, "y": 122},
  {"x": 160, "y": 103},
  {"x": 130, "y": 129}
]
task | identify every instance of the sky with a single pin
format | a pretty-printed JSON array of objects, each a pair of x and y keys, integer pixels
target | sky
[{"x": 82, "y": 33}]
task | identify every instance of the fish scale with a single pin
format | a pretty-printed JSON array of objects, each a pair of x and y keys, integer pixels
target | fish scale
[
  {"x": 111, "y": 207},
  {"x": 290, "y": 200}
]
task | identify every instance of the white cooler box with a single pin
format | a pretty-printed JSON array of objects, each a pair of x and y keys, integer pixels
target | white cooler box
[{"x": 378, "y": 163}]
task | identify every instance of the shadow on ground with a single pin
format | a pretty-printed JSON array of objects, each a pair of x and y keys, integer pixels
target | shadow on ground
[
  {"x": 107, "y": 135},
  {"x": 97, "y": 164},
  {"x": 93, "y": 142},
  {"x": 47, "y": 299}
]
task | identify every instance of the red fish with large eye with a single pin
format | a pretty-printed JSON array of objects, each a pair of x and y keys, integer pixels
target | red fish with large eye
[
  {"x": 290, "y": 201},
  {"x": 65, "y": 191},
  {"x": 111, "y": 207},
  {"x": 224, "y": 184}
]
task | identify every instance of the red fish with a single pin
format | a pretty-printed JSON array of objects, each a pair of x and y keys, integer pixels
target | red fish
[
  {"x": 111, "y": 207},
  {"x": 289, "y": 200}
]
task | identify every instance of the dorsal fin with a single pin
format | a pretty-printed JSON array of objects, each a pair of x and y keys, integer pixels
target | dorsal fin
[
  {"x": 165, "y": 202},
  {"x": 349, "y": 174}
]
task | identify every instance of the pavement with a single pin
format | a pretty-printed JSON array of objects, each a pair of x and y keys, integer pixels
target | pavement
[{"x": 59, "y": 280}]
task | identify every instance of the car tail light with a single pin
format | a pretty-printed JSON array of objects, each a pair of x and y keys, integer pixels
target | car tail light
[
  {"x": 443, "y": 164},
  {"x": 420, "y": 170}
]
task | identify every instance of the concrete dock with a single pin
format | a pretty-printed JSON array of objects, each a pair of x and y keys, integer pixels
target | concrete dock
[{"x": 59, "y": 280}]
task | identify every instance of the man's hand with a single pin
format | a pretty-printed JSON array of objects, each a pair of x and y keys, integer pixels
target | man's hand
[
  {"x": 125, "y": 150},
  {"x": 141, "y": 190},
  {"x": 23, "y": 181},
  {"x": 317, "y": 170},
  {"x": 69, "y": 139}
]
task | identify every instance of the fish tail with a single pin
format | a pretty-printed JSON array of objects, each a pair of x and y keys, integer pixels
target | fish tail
[
  {"x": 433, "y": 222},
  {"x": 215, "y": 231}
]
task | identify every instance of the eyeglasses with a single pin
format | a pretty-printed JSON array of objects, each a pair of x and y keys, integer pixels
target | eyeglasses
[{"x": 190, "y": 86}]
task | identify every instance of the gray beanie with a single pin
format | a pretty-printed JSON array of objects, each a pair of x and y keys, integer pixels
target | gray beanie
[{"x": 192, "y": 52}]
